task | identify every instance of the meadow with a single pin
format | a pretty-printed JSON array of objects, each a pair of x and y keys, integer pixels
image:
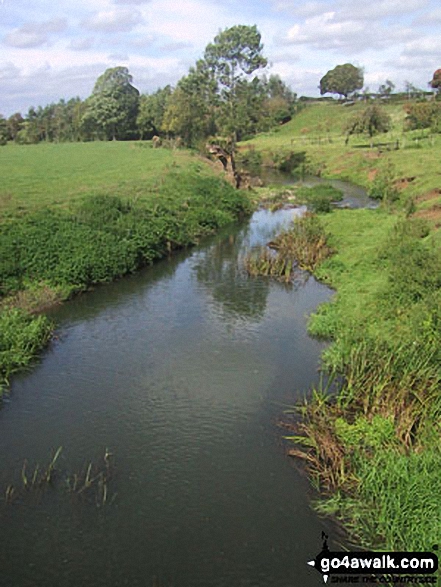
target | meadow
[
  {"x": 75, "y": 215},
  {"x": 58, "y": 174}
]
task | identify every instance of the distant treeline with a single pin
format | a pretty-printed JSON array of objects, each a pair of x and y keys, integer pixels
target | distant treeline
[{"x": 116, "y": 110}]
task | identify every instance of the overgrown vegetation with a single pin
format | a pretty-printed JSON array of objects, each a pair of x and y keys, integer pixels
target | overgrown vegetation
[
  {"x": 21, "y": 337},
  {"x": 319, "y": 198},
  {"x": 372, "y": 446},
  {"x": 51, "y": 252}
]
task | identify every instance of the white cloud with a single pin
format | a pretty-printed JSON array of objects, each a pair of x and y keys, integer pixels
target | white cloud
[
  {"x": 113, "y": 21},
  {"x": 131, "y": 1},
  {"x": 34, "y": 34},
  {"x": 118, "y": 57},
  {"x": 348, "y": 9},
  {"x": 178, "y": 46},
  {"x": 81, "y": 44},
  {"x": 328, "y": 32},
  {"x": 8, "y": 71},
  {"x": 430, "y": 18},
  {"x": 23, "y": 39},
  {"x": 308, "y": 9},
  {"x": 429, "y": 45},
  {"x": 190, "y": 21}
]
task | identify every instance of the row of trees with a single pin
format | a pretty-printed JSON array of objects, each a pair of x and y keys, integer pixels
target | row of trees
[{"x": 220, "y": 95}]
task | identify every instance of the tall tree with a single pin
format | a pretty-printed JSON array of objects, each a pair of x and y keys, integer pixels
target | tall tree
[
  {"x": 192, "y": 107},
  {"x": 280, "y": 102},
  {"x": 342, "y": 80},
  {"x": 15, "y": 124},
  {"x": 234, "y": 55},
  {"x": 113, "y": 106},
  {"x": 4, "y": 135}
]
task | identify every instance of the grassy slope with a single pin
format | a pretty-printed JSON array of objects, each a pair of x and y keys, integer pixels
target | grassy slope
[
  {"x": 318, "y": 132},
  {"x": 375, "y": 452},
  {"x": 78, "y": 214}
]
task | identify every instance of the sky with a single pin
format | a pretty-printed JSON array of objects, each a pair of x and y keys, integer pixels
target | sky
[{"x": 52, "y": 50}]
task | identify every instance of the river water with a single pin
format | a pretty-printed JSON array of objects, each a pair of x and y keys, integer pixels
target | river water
[{"x": 181, "y": 371}]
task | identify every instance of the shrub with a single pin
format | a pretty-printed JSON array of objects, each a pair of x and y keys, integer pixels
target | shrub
[{"x": 320, "y": 197}]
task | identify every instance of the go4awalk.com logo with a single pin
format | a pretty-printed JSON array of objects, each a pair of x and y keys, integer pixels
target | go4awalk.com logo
[{"x": 399, "y": 568}]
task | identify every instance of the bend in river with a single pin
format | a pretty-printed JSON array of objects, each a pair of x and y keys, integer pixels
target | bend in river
[{"x": 180, "y": 371}]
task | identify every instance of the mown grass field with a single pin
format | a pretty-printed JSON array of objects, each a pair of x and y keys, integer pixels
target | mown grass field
[{"x": 56, "y": 175}]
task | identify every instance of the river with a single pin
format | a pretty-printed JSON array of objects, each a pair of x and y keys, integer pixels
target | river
[{"x": 181, "y": 372}]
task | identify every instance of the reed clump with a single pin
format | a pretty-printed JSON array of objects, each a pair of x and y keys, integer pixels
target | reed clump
[
  {"x": 266, "y": 263},
  {"x": 303, "y": 246},
  {"x": 306, "y": 242},
  {"x": 91, "y": 483}
]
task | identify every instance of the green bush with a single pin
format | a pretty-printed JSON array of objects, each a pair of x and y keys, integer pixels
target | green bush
[
  {"x": 250, "y": 160},
  {"x": 422, "y": 115},
  {"x": 320, "y": 197}
]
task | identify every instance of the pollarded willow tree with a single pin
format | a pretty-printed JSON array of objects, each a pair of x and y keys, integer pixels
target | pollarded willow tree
[{"x": 342, "y": 80}]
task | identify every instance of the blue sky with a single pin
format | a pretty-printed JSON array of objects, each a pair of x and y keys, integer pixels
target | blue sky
[{"x": 53, "y": 50}]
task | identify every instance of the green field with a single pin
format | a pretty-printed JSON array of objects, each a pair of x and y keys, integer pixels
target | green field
[
  {"x": 317, "y": 132},
  {"x": 51, "y": 174}
]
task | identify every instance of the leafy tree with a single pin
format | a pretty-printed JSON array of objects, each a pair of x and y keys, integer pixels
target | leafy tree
[
  {"x": 280, "y": 102},
  {"x": 371, "y": 121},
  {"x": 151, "y": 112},
  {"x": 15, "y": 123},
  {"x": 342, "y": 80},
  {"x": 435, "y": 83},
  {"x": 113, "y": 106},
  {"x": 386, "y": 89},
  {"x": 3, "y": 131},
  {"x": 191, "y": 109},
  {"x": 235, "y": 54}
]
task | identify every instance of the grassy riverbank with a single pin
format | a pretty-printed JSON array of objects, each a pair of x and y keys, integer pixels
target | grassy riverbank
[
  {"x": 373, "y": 448},
  {"x": 75, "y": 215}
]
